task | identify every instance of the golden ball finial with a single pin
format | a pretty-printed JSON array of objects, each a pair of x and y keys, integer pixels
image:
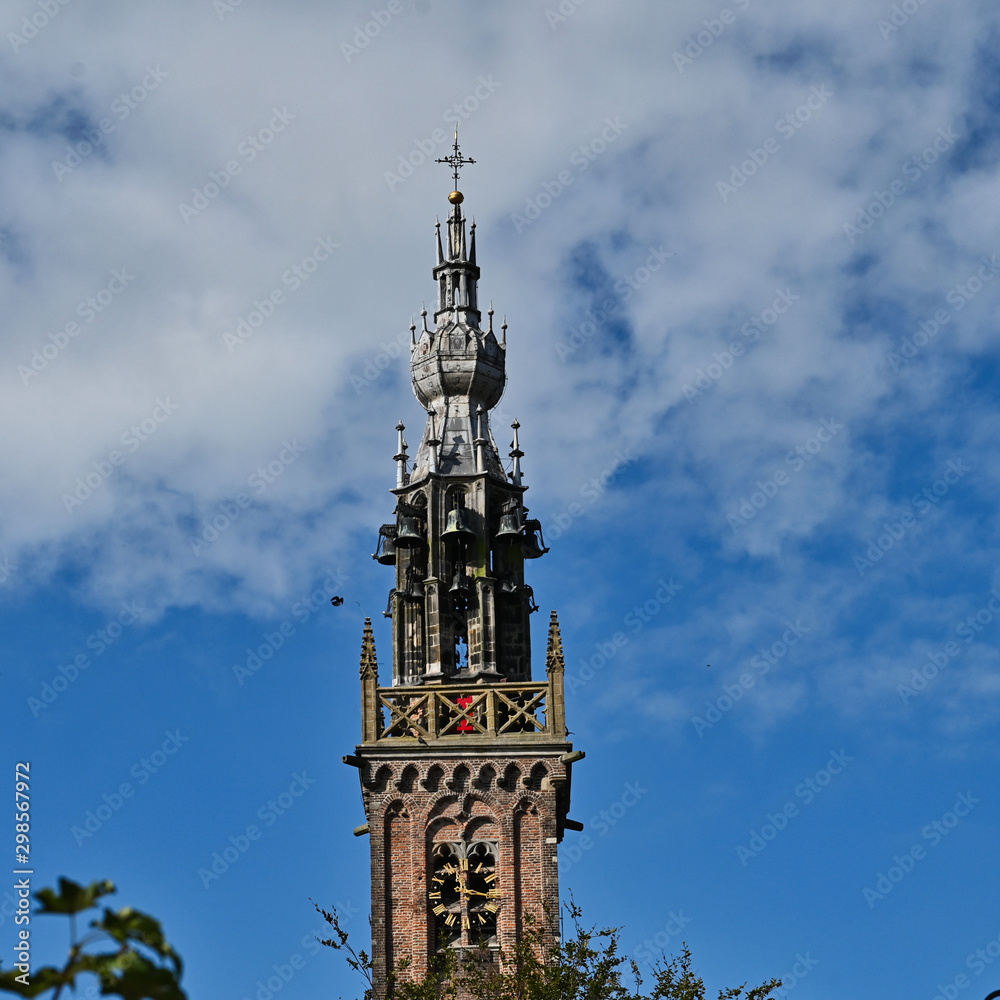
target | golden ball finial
[{"x": 456, "y": 197}]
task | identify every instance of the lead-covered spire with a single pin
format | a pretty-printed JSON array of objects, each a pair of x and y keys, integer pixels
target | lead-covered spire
[
  {"x": 460, "y": 607},
  {"x": 458, "y": 369}
]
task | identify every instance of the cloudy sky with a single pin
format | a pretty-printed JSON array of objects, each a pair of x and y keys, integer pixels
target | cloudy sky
[{"x": 749, "y": 258}]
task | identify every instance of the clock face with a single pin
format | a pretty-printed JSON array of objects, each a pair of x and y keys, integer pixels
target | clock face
[{"x": 464, "y": 894}]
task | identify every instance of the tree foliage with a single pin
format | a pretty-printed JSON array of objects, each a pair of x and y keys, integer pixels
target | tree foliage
[
  {"x": 142, "y": 965},
  {"x": 587, "y": 966}
]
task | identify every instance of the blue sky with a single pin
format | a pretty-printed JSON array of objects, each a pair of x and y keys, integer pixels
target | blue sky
[{"x": 749, "y": 260}]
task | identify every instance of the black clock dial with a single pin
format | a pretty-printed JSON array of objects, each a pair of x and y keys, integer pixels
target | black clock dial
[{"x": 464, "y": 894}]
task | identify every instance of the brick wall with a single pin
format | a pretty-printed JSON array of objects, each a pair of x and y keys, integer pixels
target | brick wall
[{"x": 412, "y": 802}]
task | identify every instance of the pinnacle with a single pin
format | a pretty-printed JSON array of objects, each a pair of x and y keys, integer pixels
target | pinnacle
[
  {"x": 369, "y": 660},
  {"x": 554, "y": 659}
]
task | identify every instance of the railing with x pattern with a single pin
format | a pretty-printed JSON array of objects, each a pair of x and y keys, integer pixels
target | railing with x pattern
[{"x": 430, "y": 713}]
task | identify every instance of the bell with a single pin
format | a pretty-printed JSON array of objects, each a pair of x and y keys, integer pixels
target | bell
[
  {"x": 532, "y": 548},
  {"x": 414, "y": 585},
  {"x": 510, "y": 529},
  {"x": 460, "y": 583},
  {"x": 457, "y": 526},
  {"x": 508, "y": 585},
  {"x": 385, "y": 551},
  {"x": 409, "y": 535}
]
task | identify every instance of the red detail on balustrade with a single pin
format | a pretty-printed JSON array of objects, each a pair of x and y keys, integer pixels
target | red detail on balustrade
[{"x": 465, "y": 726}]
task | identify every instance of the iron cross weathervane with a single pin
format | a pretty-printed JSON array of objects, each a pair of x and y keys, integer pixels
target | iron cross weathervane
[{"x": 456, "y": 161}]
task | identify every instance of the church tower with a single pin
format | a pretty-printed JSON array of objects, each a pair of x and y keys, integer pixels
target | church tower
[{"x": 464, "y": 761}]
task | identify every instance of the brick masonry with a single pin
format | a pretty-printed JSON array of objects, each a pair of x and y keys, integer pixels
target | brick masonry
[{"x": 416, "y": 801}]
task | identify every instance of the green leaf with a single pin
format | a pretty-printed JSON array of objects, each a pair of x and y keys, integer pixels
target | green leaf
[
  {"x": 40, "y": 981},
  {"x": 128, "y": 925},
  {"x": 125, "y": 972},
  {"x": 141, "y": 980},
  {"x": 72, "y": 897}
]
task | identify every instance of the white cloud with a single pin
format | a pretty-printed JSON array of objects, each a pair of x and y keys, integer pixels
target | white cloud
[{"x": 550, "y": 90}]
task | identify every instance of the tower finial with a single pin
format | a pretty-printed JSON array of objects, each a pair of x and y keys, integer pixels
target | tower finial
[
  {"x": 401, "y": 457},
  {"x": 480, "y": 440},
  {"x": 432, "y": 441},
  {"x": 516, "y": 454},
  {"x": 456, "y": 161}
]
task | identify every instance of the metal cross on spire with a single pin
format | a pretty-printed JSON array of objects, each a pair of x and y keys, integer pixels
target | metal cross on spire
[{"x": 456, "y": 161}]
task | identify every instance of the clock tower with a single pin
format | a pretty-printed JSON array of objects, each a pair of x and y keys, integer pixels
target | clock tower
[{"x": 464, "y": 761}]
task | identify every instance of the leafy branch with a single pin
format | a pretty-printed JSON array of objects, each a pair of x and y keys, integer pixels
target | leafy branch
[
  {"x": 587, "y": 966},
  {"x": 143, "y": 966}
]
